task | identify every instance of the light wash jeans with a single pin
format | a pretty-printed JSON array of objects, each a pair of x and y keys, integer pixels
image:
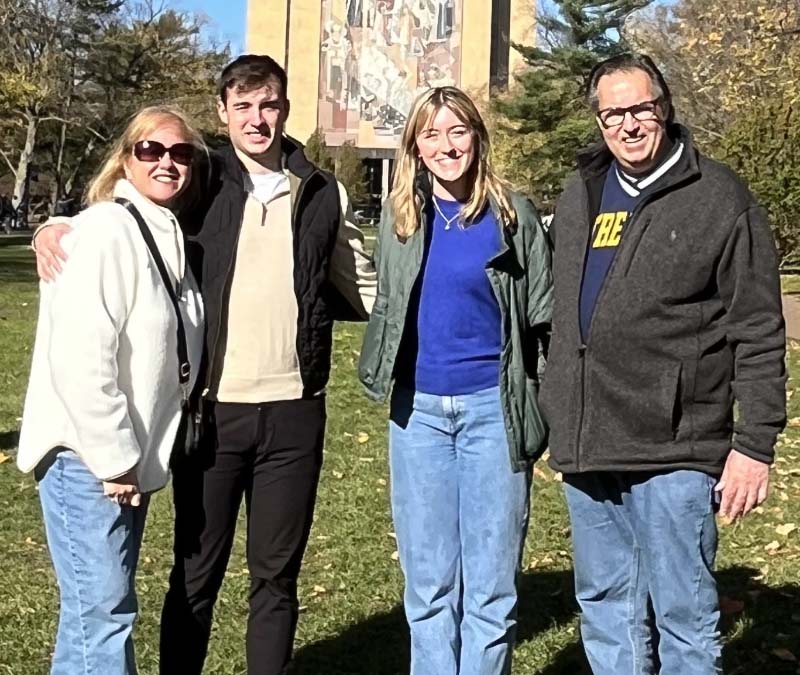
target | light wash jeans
[
  {"x": 644, "y": 548},
  {"x": 94, "y": 544},
  {"x": 460, "y": 515}
]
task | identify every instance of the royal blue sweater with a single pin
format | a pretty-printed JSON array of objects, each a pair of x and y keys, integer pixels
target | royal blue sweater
[{"x": 452, "y": 338}]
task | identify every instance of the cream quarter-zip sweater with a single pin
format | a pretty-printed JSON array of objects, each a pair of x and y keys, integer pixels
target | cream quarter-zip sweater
[
  {"x": 104, "y": 376},
  {"x": 259, "y": 362}
]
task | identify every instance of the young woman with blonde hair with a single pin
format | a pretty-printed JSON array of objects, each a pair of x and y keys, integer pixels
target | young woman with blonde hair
[
  {"x": 460, "y": 327},
  {"x": 118, "y": 344}
]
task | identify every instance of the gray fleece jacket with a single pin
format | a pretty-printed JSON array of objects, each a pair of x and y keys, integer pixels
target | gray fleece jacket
[{"x": 687, "y": 325}]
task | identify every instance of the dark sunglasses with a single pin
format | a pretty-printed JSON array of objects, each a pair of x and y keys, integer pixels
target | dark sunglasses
[{"x": 153, "y": 151}]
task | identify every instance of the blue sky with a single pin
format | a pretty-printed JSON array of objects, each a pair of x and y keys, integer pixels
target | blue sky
[{"x": 226, "y": 19}]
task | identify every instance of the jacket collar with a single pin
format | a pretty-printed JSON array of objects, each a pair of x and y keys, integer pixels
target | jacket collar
[
  {"x": 293, "y": 160},
  {"x": 595, "y": 160}
]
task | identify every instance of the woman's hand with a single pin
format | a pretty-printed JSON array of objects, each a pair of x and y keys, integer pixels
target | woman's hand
[
  {"x": 49, "y": 254},
  {"x": 123, "y": 490}
]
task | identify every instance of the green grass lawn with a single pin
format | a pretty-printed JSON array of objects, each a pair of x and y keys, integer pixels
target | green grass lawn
[
  {"x": 351, "y": 585},
  {"x": 790, "y": 284}
]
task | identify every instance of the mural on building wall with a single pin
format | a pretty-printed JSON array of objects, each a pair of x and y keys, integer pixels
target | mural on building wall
[{"x": 376, "y": 56}]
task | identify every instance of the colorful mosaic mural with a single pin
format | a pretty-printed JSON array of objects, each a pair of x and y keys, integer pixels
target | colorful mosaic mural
[{"x": 376, "y": 56}]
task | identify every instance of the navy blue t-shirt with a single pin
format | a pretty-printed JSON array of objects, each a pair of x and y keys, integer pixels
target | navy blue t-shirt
[
  {"x": 618, "y": 203},
  {"x": 454, "y": 345}
]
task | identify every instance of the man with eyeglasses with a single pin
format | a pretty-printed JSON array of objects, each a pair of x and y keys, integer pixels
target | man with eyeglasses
[{"x": 667, "y": 317}]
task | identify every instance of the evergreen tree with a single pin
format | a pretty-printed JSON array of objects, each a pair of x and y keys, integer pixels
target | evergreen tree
[
  {"x": 350, "y": 172},
  {"x": 317, "y": 152},
  {"x": 345, "y": 164},
  {"x": 545, "y": 121}
]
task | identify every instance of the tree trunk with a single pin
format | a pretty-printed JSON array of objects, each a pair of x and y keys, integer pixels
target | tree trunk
[
  {"x": 87, "y": 151},
  {"x": 21, "y": 183},
  {"x": 56, "y": 185},
  {"x": 57, "y": 191}
]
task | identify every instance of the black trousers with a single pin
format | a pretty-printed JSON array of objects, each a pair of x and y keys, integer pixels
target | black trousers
[{"x": 271, "y": 454}]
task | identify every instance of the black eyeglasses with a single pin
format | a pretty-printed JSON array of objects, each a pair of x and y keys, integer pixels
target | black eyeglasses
[
  {"x": 153, "y": 151},
  {"x": 643, "y": 112}
]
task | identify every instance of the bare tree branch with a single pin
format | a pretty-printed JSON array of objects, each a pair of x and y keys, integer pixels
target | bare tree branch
[{"x": 8, "y": 161}]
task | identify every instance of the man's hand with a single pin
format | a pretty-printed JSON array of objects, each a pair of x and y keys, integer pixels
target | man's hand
[
  {"x": 744, "y": 485},
  {"x": 49, "y": 254},
  {"x": 123, "y": 490}
]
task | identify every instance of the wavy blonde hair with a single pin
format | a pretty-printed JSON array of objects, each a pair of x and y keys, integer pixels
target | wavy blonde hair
[
  {"x": 142, "y": 123},
  {"x": 486, "y": 184}
]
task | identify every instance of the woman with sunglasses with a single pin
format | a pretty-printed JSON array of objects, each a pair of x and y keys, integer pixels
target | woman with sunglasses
[
  {"x": 105, "y": 393},
  {"x": 459, "y": 325}
]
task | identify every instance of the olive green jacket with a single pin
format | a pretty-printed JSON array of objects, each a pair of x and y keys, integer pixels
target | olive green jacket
[{"x": 521, "y": 277}]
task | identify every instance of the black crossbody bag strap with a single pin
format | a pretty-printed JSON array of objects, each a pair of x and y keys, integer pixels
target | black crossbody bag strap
[{"x": 184, "y": 367}]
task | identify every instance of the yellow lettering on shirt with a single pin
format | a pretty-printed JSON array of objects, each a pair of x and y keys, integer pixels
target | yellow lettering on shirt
[{"x": 608, "y": 229}]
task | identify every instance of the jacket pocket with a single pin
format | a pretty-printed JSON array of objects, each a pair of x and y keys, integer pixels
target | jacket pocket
[
  {"x": 533, "y": 421},
  {"x": 634, "y": 407},
  {"x": 372, "y": 348}
]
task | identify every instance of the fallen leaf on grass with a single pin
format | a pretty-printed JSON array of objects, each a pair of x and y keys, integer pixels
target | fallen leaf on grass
[
  {"x": 396, "y": 556},
  {"x": 786, "y": 529},
  {"x": 338, "y": 474},
  {"x": 772, "y": 547},
  {"x": 784, "y": 654},
  {"x": 793, "y": 422},
  {"x": 4, "y": 458},
  {"x": 538, "y": 473},
  {"x": 362, "y": 437}
]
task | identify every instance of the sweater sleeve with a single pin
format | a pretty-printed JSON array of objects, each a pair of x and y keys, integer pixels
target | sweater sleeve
[
  {"x": 352, "y": 271},
  {"x": 750, "y": 289},
  {"x": 89, "y": 307}
]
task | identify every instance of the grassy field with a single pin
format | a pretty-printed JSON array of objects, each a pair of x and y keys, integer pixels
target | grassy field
[{"x": 351, "y": 585}]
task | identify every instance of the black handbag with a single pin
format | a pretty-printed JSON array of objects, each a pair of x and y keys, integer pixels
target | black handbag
[{"x": 188, "y": 435}]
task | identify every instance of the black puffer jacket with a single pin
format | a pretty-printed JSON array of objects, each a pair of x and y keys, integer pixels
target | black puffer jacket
[{"x": 687, "y": 322}]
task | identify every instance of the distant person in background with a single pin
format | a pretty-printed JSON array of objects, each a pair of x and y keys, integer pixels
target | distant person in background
[
  {"x": 459, "y": 327},
  {"x": 104, "y": 398},
  {"x": 6, "y": 213}
]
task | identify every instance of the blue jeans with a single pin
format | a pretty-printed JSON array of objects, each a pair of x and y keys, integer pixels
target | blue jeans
[
  {"x": 460, "y": 516},
  {"x": 644, "y": 548},
  {"x": 94, "y": 544}
]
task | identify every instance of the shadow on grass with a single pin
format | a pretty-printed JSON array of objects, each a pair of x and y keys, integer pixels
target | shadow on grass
[
  {"x": 770, "y": 623},
  {"x": 22, "y": 239},
  {"x": 379, "y": 644},
  {"x": 9, "y": 440},
  {"x": 17, "y": 264},
  {"x": 755, "y": 639}
]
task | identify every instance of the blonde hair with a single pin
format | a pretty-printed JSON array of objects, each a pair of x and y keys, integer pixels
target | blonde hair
[
  {"x": 147, "y": 120},
  {"x": 485, "y": 183}
]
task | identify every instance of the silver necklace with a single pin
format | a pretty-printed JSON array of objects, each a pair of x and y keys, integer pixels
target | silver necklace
[{"x": 447, "y": 221}]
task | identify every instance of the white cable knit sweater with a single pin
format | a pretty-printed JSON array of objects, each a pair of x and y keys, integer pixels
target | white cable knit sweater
[{"x": 104, "y": 377}]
